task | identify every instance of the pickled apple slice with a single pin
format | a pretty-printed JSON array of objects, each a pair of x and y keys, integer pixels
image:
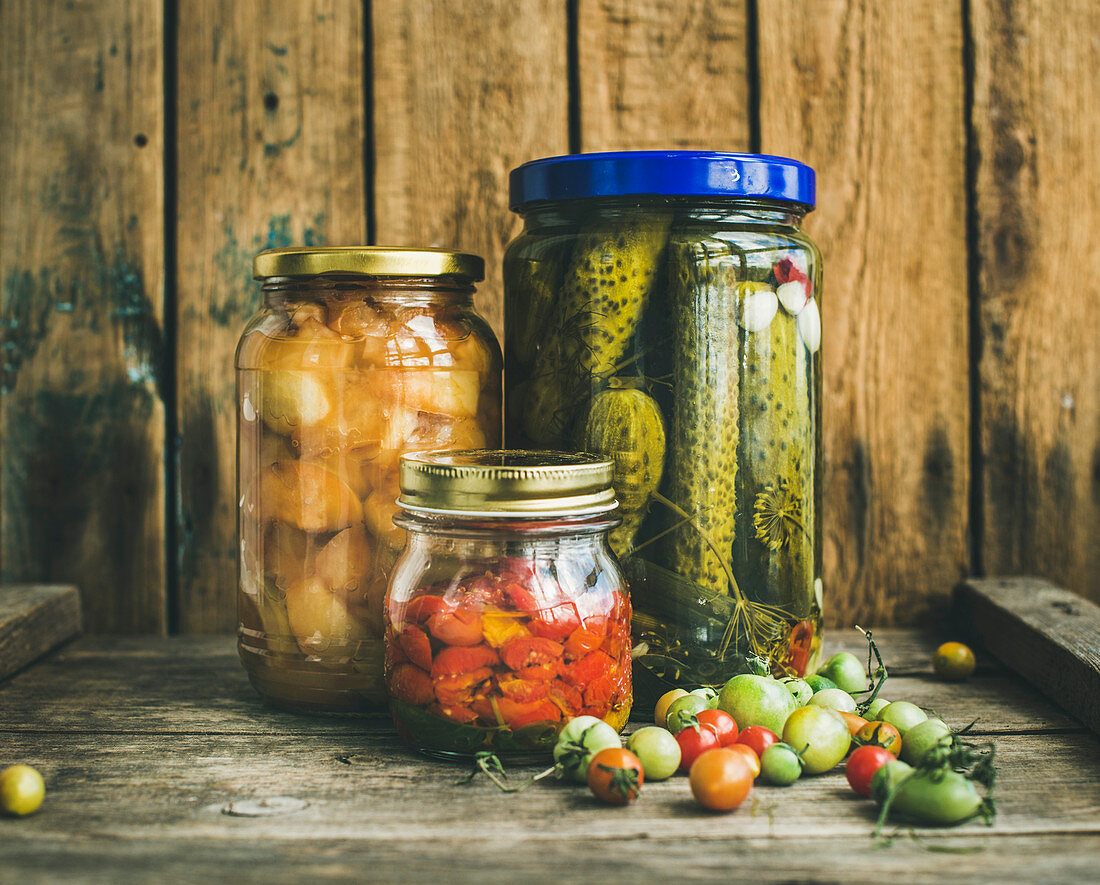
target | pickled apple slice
[
  {"x": 307, "y": 496},
  {"x": 353, "y": 466},
  {"x": 318, "y": 618},
  {"x": 290, "y": 400},
  {"x": 442, "y": 391},
  {"x": 379, "y": 510},
  {"x": 288, "y": 555},
  {"x": 315, "y": 346},
  {"x": 344, "y": 563},
  {"x": 356, "y": 418}
]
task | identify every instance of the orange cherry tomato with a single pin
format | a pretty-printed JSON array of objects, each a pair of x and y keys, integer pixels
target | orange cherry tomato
[
  {"x": 880, "y": 734},
  {"x": 750, "y": 757},
  {"x": 720, "y": 779},
  {"x": 855, "y": 722},
  {"x": 615, "y": 776}
]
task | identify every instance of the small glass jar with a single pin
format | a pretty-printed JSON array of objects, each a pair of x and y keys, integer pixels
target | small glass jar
[
  {"x": 358, "y": 355},
  {"x": 662, "y": 309},
  {"x": 507, "y": 613}
]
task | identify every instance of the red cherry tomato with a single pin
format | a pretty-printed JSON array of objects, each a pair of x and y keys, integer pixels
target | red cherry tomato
[
  {"x": 721, "y": 723},
  {"x": 758, "y": 738},
  {"x": 693, "y": 742},
  {"x": 862, "y": 765}
]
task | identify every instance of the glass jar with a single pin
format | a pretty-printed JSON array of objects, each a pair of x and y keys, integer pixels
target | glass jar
[
  {"x": 358, "y": 355},
  {"x": 507, "y": 613},
  {"x": 662, "y": 309}
]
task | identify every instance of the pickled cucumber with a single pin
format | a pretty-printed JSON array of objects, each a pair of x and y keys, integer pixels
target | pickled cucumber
[
  {"x": 534, "y": 282},
  {"x": 777, "y": 464},
  {"x": 605, "y": 287},
  {"x": 703, "y": 432},
  {"x": 625, "y": 424}
]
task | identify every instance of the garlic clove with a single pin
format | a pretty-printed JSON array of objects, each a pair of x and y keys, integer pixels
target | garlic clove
[
  {"x": 809, "y": 326},
  {"x": 794, "y": 296},
  {"x": 759, "y": 309}
]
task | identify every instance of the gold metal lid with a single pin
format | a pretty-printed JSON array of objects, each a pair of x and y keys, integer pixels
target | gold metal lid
[
  {"x": 375, "y": 261},
  {"x": 480, "y": 482}
]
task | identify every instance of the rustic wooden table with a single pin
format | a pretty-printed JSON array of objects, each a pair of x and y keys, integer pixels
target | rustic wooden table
[{"x": 162, "y": 764}]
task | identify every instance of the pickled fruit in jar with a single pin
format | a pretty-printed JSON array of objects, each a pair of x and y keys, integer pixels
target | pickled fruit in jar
[
  {"x": 338, "y": 376},
  {"x": 508, "y": 654}
]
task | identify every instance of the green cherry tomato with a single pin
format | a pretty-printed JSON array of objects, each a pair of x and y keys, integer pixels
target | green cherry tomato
[
  {"x": 800, "y": 690},
  {"x": 902, "y": 715},
  {"x": 681, "y": 712},
  {"x": 818, "y": 682},
  {"x": 937, "y": 798},
  {"x": 876, "y": 708},
  {"x": 820, "y": 735},
  {"x": 953, "y": 661},
  {"x": 834, "y": 699},
  {"x": 921, "y": 738},
  {"x": 757, "y": 700},
  {"x": 658, "y": 751},
  {"x": 21, "y": 790},
  {"x": 581, "y": 739},
  {"x": 780, "y": 765},
  {"x": 887, "y": 778},
  {"x": 845, "y": 669}
]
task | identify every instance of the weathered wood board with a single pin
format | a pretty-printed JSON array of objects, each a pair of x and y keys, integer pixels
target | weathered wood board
[
  {"x": 871, "y": 95},
  {"x": 270, "y": 147},
  {"x": 1036, "y": 126},
  {"x": 82, "y": 342},
  {"x": 35, "y": 619},
  {"x": 159, "y": 758},
  {"x": 462, "y": 92},
  {"x": 663, "y": 74},
  {"x": 1048, "y": 635}
]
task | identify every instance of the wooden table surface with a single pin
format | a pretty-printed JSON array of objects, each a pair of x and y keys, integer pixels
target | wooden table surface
[{"x": 147, "y": 744}]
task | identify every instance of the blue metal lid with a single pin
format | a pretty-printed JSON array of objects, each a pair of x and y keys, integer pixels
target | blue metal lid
[{"x": 662, "y": 173}]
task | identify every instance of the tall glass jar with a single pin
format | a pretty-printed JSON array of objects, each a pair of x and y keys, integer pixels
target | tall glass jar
[
  {"x": 662, "y": 309},
  {"x": 358, "y": 355},
  {"x": 507, "y": 613}
]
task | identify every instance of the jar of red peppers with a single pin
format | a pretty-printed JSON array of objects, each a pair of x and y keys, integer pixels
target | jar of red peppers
[
  {"x": 507, "y": 613},
  {"x": 358, "y": 355}
]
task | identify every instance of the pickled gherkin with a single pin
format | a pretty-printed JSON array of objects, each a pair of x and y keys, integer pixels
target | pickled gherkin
[
  {"x": 604, "y": 290},
  {"x": 625, "y": 424},
  {"x": 777, "y": 461},
  {"x": 704, "y": 427}
]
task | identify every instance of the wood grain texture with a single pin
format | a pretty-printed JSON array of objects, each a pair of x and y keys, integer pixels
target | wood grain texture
[
  {"x": 35, "y": 619},
  {"x": 1046, "y": 634},
  {"x": 162, "y": 735},
  {"x": 663, "y": 74},
  {"x": 463, "y": 91},
  {"x": 81, "y": 334},
  {"x": 871, "y": 95},
  {"x": 1036, "y": 124},
  {"x": 130, "y": 677},
  {"x": 271, "y": 139}
]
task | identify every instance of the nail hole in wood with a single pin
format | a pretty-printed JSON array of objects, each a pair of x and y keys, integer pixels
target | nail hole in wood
[
  {"x": 271, "y": 102},
  {"x": 140, "y": 140}
]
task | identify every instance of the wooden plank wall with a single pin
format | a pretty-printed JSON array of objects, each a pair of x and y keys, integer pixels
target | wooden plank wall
[{"x": 148, "y": 149}]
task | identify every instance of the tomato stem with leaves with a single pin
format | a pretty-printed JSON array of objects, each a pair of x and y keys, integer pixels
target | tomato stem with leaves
[
  {"x": 875, "y": 679},
  {"x": 951, "y": 756},
  {"x": 488, "y": 763}
]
